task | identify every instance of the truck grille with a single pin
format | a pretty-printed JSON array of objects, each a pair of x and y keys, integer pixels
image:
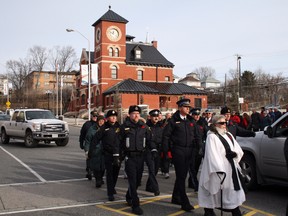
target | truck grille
[{"x": 53, "y": 127}]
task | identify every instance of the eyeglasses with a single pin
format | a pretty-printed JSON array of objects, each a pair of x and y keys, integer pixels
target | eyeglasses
[{"x": 221, "y": 123}]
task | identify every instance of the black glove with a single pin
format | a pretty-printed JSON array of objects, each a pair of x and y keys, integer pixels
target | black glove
[
  {"x": 154, "y": 153},
  {"x": 116, "y": 161},
  {"x": 231, "y": 155},
  {"x": 81, "y": 145}
]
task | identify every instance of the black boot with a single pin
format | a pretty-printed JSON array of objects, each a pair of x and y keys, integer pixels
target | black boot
[
  {"x": 236, "y": 212},
  {"x": 209, "y": 212}
]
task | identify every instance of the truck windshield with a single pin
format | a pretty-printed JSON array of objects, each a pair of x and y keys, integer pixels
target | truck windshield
[{"x": 41, "y": 114}]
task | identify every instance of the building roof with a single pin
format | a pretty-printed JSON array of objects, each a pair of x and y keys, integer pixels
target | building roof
[
  {"x": 133, "y": 86},
  {"x": 209, "y": 80},
  {"x": 111, "y": 16},
  {"x": 189, "y": 78},
  {"x": 150, "y": 55}
]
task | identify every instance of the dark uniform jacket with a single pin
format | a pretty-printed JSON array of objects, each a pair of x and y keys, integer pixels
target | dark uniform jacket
[
  {"x": 157, "y": 132},
  {"x": 109, "y": 135},
  {"x": 135, "y": 137},
  {"x": 203, "y": 128},
  {"x": 181, "y": 133},
  {"x": 236, "y": 130}
]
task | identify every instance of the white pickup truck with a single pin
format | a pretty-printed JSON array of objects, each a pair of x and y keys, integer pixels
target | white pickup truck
[{"x": 33, "y": 126}]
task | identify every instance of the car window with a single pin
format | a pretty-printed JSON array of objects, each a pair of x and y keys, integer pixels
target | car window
[{"x": 282, "y": 128}]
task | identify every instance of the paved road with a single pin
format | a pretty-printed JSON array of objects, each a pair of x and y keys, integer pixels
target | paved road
[{"x": 48, "y": 180}]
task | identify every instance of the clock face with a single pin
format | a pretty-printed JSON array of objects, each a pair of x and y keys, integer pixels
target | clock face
[
  {"x": 98, "y": 35},
  {"x": 113, "y": 33}
]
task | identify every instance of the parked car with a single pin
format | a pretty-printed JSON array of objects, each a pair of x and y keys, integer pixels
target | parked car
[
  {"x": 4, "y": 117},
  {"x": 264, "y": 161}
]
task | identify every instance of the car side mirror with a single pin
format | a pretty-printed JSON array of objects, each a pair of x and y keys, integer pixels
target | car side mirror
[{"x": 269, "y": 131}]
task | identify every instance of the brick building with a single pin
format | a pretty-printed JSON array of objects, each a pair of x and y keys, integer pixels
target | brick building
[{"x": 130, "y": 72}]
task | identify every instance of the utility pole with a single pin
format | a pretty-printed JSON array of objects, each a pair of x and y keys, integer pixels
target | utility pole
[{"x": 238, "y": 81}]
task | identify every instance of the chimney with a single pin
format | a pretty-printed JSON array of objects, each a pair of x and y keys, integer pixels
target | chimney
[{"x": 154, "y": 43}]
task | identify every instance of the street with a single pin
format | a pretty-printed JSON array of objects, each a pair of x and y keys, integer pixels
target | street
[{"x": 49, "y": 180}]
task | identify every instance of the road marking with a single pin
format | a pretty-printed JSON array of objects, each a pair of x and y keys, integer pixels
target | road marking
[
  {"x": 257, "y": 210},
  {"x": 119, "y": 211},
  {"x": 25, "y": 165}
]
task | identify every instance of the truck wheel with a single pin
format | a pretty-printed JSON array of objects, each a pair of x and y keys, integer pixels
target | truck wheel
[
  {"x": 4, "y": 137},
  {"x": 62, "y": 142},
  {"x": 248, "y": 166},
  {"x": 29, "y": 141}
]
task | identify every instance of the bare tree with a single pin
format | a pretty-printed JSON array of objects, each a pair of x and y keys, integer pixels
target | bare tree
[
  {"x": 65, "y": 57},
  {"x": 204, "y": 72},
  {"x": 17, "y": 72}
]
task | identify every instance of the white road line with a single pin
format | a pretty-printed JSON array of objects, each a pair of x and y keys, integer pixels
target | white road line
[{"x": 25, "y": 165}]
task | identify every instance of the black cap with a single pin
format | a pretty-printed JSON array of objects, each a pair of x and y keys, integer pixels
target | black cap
[
  {"x": 134, "y": 108},
  {"x": 183, "y": 102},
  {"x": 225, "y": 110},
  {"x": 111, "y": 113},
  {"x": 154, "y": 112},
  {"x": 100, "y": 117},
  {"x": 195, "y": 111},
  {"x": 94, "y": 113}
]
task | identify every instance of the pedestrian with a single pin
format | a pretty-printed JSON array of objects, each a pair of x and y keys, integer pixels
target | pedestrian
[
  {"x": 109, "y": 136},
  {"x": 153, "y": 163},
  {"x": 266, "y": 120},
  {"x": 83, "y": 132},
  {"x": 94, "y": 152},
  {"x": 255, "y": 120},
  {"x": 233, "y": 128},
  {"x": 182, "y": 133},
  {"x": 136, "y": 138},
  {"x": 198, "y": 151},
  {"x": 208, "y": 116},
  {"x": 219, "y": 183}
]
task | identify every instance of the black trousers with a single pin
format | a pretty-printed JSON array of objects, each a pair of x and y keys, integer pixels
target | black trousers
[
  {"x": 134, "y": 165},
  {"x": 153, "y": 166},
  {"x": 193, "y": 169},
  {"x": 181, "y": 157},
  {"x": 112, "y": 173}
]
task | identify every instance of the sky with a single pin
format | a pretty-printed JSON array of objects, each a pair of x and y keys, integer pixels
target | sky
[{"x": 190, "y": 33}]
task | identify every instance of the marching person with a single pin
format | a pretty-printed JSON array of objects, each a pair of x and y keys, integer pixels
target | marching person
[
  {"x": 198, "y": 151},
  {"x": 109, "y": 135},
  {"x": 136, "y": 138},
  {"x": 83, "y": 132},
  {"x": 233, "y": 128},
  {"x": 219, "y": 170},
  {"x": 155, "y": 125},
  {"x": 183, "y": 134},
  {"x": 94, "y": 152}
]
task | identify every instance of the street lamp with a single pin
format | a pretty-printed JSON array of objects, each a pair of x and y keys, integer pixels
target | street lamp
[
  {"x": 239, "y": 81},
  {"x": 89, "y": 74}
]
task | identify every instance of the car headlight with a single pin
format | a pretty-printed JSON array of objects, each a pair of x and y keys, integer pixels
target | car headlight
[{"x": 36, "y": 127}]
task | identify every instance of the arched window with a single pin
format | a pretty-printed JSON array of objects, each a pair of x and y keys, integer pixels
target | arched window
[
  {"x": 83, "y": 99},
  {"x": 110, "y": 52},
  {"x": 140, "y": 75},
  {"x": 114, "y": 72},
  {"x": 116, "y": 54}
]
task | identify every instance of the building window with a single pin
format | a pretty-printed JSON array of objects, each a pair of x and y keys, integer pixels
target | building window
[
  {"x": 83, "y": 99},
  {"x": 112, "y": 100},
  {"x": 198, "y": 102},
  {"x": 140, "y": 75},
  {"x": 138, "y": 54},
  {"x": 107, "y": 101},
  {"x": 114, "y": 72},
  {"x": 167, "y": 78},
  {"x": 110, "y": 52},
  {"x": 116, "y": 54}
]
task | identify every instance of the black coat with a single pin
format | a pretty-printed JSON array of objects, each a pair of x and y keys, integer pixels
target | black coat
[
  {"x": 157, "y": 132},
  {"x": 84, "y": 131},
  {"x": 181, "y": 133},
  {"x": 109, "y": 136},
  {"x": 135, "y": 137}
]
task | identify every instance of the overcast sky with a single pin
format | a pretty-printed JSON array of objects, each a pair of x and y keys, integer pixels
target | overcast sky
[{"x": 190, "y": 33}]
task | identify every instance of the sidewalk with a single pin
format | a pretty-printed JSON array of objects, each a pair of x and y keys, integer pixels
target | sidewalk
[{"x": 78, "y": 122}]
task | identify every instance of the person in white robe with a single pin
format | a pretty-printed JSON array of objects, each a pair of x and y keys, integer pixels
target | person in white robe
[{"x": 214, "y": 165}]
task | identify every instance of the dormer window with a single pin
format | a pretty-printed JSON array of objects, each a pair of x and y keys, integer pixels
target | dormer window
[{"x": 138, "y": 54}]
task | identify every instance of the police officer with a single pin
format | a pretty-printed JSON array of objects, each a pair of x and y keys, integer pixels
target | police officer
[
  {"x": 83, "y": 132},
  {"x": 233, "y": 128},
  {"x": 183, "y": 134},
  {"x": 109, "y": 135},
  {"x": 136, "y": 138},
  {"x": 198, "y": 151},
  {"x": 155, "y": 125}
]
